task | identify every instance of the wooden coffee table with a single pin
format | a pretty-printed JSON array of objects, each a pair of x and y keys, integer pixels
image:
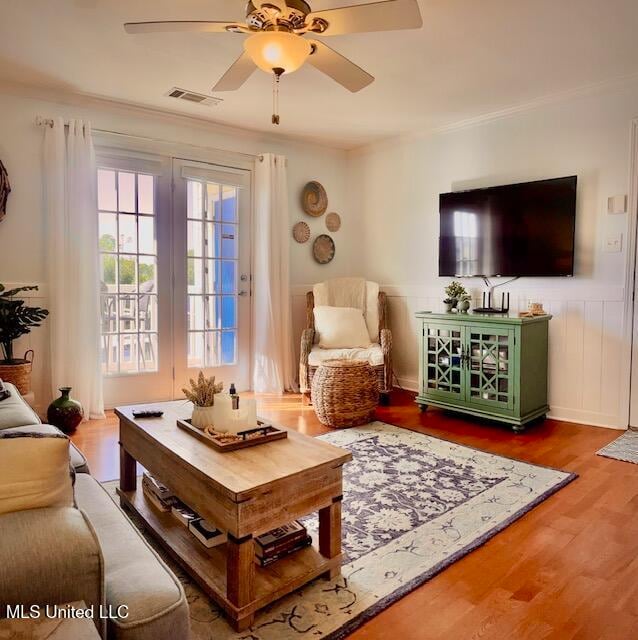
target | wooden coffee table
[{"x": 245, "y": 493}]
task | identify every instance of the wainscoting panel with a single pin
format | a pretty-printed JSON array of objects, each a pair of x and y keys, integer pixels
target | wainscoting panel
[{"x": 586, "y": 363}]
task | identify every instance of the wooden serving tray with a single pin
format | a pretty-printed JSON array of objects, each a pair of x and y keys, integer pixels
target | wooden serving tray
[{"x": 259, "y": 435}]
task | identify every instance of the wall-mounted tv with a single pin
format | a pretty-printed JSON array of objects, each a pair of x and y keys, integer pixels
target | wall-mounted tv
[{"x": 513, "y": 230}]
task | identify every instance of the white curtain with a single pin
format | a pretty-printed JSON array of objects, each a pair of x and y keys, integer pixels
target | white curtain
[
  {"x": 73, "y": 263},
  {"x": 273, "y": 369}
]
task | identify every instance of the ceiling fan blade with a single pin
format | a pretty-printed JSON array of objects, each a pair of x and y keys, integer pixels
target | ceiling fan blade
[
  {"x": 376, "y": 16},
  {"x": 203, "y": 26},
  {"x": 237, "y": 74},
  {"x": 340, "y": 69},
  {"x": 280, "y": 4}
]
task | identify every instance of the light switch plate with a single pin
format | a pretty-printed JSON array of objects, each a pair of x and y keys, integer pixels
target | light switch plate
[
  {"x": 617, "y": 204},
  {"x": 613, "y": 243}
]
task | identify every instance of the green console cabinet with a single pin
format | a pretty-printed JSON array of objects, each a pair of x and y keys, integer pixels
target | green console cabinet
[{"x": 484, "y": 365}]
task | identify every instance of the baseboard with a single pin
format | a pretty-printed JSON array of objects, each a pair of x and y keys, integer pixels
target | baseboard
[{"x": 590, "y": 418}]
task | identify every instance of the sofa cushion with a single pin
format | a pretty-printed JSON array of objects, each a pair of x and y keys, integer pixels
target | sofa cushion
[
  {"x": 135, "y": 575},
  {"x": 34, "y": 471},
  {"x": 14, "y": 411},
  {"x": 373, "y": 354},
  {"x": 341, "y": 327},
  {"x": 49, "y": 556},
  {"x": 78, "y": 461}
]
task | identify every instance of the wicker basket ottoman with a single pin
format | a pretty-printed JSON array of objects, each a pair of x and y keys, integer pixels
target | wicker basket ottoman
[{"x": 345, "y": 393}]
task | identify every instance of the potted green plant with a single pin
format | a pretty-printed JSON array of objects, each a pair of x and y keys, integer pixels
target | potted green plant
[
  {"x": 454, "y": 291},
  {"x": 449, "y": 304},
  {"x": 17, "y": 319}
]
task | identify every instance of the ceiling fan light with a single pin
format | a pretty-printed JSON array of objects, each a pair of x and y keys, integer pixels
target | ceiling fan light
[{"x": 277, "y": 50}]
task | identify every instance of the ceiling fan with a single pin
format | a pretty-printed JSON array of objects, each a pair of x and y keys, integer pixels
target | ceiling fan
[{"x": 277, "y": 41}]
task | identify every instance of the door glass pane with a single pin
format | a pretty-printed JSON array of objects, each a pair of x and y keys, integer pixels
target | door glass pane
[
  {"x": 126, "y": 191},
  {"x": 128, "y": 287},
  {"x": 194, "y": 204},
  {"x": 146, "y": 234},
  {"x": 128, "y": 234},
  {"x": 229, "y": 204},
  {"x": 195, "y": 275},
  {"x": 213, "y": 203},
  {"x": 106, "y": 190},
  {"x": 196, "y": 313},
  {"x": 443, "y": 354},
  {"x": 489, "y": 365},
  {"x": 145, "y": 194}
]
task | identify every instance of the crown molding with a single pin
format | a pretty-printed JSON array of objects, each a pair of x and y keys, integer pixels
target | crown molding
[
  {"x": 597, "y": 88},
  {"x": 125, "y": 107}
]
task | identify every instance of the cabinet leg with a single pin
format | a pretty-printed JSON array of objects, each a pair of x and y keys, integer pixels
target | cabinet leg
[
  {"x": 518, "y": 428},
  {"x": 240, "y": 573},
  {"x": 330, "y": 534},
  {"x": 128, "y": 471},
  {"x": 243, "y": 623},
  {"x": 423, "y": 407}
]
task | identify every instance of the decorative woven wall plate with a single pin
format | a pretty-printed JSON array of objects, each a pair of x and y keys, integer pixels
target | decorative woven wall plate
[
  {"x": 323, "y": 249},
  {"x": 333, "y": 222},
  {"x": 314, "y": 199},
  {"x": 301, "y": 232},
  {"x": 5, "y": 189}
]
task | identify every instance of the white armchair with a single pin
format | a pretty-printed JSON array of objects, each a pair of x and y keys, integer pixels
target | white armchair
[{"x": 357, "y": 293}]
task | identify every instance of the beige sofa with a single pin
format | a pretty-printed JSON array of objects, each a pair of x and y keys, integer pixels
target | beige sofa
[{"x": 91, "y": 553}]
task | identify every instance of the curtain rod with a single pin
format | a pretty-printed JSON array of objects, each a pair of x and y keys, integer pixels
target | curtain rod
[{"x": 49, "y": 122}]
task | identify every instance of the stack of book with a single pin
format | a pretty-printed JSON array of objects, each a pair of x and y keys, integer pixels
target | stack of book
[
  {"x": 161, "y": 497},
  {"x": 158, "y": 494},
  {"x": 208, "y": 534},
  {"x": 281, "y": 542}
]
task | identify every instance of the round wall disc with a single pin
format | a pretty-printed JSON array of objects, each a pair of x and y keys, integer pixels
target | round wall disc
[
  {"x": 323, "y": 249},
  {"x": 314, "y": 199},
  {"x": 333, "y": 222},
  {"x": 301, "y": 232}
]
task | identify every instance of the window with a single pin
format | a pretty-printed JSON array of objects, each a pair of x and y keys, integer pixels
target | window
[
  {"x": 128, "y": 271},
  {"x": 212, "y": 273}
]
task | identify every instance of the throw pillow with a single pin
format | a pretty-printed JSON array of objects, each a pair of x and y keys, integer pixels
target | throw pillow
[
  {"x": 341, "y": 328},
  {"x": 34, "y": 471}
]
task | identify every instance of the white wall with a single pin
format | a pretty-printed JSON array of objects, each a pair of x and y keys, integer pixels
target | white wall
[
  {"x": 396, "y": 185},
  {"x": 22, "y": 232}
]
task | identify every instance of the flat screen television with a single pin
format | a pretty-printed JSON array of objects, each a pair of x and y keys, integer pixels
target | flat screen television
[{"x": 513, "y": 230}]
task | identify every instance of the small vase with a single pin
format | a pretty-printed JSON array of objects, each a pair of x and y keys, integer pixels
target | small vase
[
  {"x": 65, "y": 413},
  {"x": 203, "y": 417},
  {"x": 448, "y": 307},
  {"x": 464, "y": 306}
]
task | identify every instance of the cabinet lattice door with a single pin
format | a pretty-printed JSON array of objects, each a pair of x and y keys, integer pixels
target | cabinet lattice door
[
  {"x": 443, "y": 357},
  {"x": 489, "y": 372}
]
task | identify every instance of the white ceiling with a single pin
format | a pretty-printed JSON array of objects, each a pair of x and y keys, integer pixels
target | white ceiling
[{"x": 471, "y": 57}]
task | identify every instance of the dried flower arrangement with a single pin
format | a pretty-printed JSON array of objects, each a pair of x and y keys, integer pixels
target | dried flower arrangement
[{"x": 202, "y": 393}]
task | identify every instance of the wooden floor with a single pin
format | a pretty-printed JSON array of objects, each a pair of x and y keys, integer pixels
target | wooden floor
[{"x": 568, "y": 569}]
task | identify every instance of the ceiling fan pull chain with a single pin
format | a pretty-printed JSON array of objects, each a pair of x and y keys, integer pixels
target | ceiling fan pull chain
[{"x": 277, "y": 72}]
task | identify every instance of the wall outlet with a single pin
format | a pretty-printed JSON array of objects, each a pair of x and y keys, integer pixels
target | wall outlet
[
  {"x": 613, "y": 243},
  {"x": 617, "y": 204}
]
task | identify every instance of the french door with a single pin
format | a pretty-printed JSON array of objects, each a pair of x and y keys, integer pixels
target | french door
[
  {"x": 174, "y": 246},
  {"x": 211, "y": 268}
]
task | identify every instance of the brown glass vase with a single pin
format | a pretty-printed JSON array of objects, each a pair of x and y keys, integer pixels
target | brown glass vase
[{"x": 65, "y": 413}]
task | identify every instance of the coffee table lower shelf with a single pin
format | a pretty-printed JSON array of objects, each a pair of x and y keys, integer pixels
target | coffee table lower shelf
[{"x": 208, "y": 566}]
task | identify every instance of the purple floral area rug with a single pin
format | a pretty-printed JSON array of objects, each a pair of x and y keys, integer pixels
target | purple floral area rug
[{"x": 413, "y": 504}]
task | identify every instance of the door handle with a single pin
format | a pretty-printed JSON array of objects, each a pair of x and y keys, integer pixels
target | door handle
[{"x": 243, "y": 293}]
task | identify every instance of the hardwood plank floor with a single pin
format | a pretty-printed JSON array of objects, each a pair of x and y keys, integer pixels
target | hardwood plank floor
[{"x": 566, "y": 570}]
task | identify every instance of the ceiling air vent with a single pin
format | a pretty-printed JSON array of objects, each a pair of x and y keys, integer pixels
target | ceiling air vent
[{"x": 191, "y": 96}]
